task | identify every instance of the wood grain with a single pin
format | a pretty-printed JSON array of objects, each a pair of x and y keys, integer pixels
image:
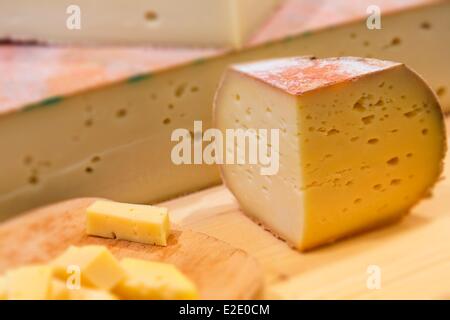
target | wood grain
[{"x": 219, "y": 270}]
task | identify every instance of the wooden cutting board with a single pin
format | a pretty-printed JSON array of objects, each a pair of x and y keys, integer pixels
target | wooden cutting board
[{"x": 219, "y": 270}]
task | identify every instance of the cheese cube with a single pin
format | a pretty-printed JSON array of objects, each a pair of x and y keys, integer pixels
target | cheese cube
[
  {"x": 174, "y": 22},
  {"x": 3, "y": 292},
  {"x": 29, "y": 283},
  {"x": 139, "y": 223},
  {"x": 59, "y": 290},
  {"x": 90, "y": 294},
  {"x": 360, "y": 142},
  {"x": 148, "y": 280},
  {"x": 97, "y": 266}
]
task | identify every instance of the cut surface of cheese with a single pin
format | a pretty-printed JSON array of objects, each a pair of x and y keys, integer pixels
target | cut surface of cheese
[
  {"x": 361, "y": 141},
  {"x": 29, "y": 283},
  {"x": 138, "y": 223},
  {"x": 148, "y": 280},
  {"x": 96, "y": 266},
  {"x": 114, "y": 109},
  {"x": 173, "y": 22}
]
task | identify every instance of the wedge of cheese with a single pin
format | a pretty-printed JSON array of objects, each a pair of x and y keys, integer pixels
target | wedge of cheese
[
  {"x": 94, "y": 266},
  {"x": 360, "y": 142},
  {"x": 29, "y": 283},
  {"x": 99, "y": 120},
  {"x": 149, "y": 280},
  {"x": 132, "y": 222},
  {"x": 174, "y": 22}
]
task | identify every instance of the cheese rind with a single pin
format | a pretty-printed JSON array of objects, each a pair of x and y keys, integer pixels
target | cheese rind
[
  {"x": 221, "y": 22},
  {"x": 138, "y": 223},
  {"x": 148, "y": 280},
  {"x": 29, "y": 283},
  {"x": 97, "y": 266},
  {"x": 361, "y": 141}
]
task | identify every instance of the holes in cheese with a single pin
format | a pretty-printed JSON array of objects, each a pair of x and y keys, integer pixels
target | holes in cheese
[
  {"x": 148, "y": 280},
  {"x": 441, "y": 91},
  {"x": 29, "y": 283},
  {"x": 151, "y": 16},
  {"x": 356, "y": 129},
  {"x": 199, "y": 23},
  {"x": 97, "y": 266},
  {"x": 132, "y": 222}
]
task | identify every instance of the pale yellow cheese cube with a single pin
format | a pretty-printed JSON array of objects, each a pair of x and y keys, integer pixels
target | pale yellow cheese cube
[
  {"x": 29, "y": 283},
  {"x": 97, "y": 266},
  {"x": 90, "y": 294},
  {"x": 3, "y": 288},
  {"x": 138, "y": 223},
  {"x": 148, "y": 280}
]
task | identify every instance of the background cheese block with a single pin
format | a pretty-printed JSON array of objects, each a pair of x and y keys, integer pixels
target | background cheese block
[
  {"x": 98, "y": 121},
  {"x": 361, "y": 141},
  {"x": 192, "y": 22}
]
